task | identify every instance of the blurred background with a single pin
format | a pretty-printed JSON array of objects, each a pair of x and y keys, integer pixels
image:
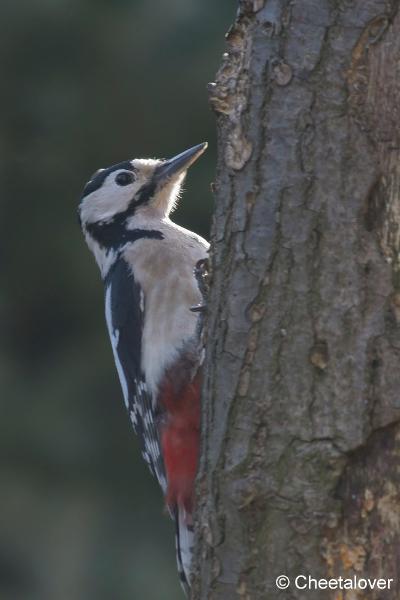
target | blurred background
[{"x": 85, "y": 84}]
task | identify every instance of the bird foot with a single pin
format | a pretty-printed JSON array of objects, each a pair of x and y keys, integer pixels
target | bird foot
[{"x": 202, "y": 274}]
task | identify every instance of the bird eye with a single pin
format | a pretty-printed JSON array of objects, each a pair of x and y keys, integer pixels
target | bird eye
[{"x": 124, "y": 178}]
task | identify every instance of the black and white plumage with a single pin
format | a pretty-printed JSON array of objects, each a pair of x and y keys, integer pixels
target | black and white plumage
[
  {"x": 124, "y": 316},
  {"x": 147, "y": 264}
]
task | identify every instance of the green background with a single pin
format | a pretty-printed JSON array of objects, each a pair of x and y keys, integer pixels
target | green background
[{"x": 85, "y": 84}]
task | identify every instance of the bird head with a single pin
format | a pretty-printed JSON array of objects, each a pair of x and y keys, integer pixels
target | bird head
[{"x": 145, "y": 187}]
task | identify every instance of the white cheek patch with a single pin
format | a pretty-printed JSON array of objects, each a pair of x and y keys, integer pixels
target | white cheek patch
[{"x": 109, "y": 199}]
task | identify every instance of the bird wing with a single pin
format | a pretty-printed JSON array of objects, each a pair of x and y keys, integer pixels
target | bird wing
[{"x": 124, "y": 305}]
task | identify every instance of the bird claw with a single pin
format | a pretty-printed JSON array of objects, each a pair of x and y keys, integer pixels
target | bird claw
[
  {"x": 202, "y": 274},
  {"x": 199, "y": 308}
]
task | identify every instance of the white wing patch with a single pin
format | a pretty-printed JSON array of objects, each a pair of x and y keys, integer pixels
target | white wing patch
[{"x": 114, "y": 337}]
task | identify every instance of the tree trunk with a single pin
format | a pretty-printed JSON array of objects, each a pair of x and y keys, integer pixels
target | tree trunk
[{"x": 300, "y": 464}]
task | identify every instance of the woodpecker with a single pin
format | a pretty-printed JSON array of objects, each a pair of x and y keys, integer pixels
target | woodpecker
[{"x": 147, "y": 264}]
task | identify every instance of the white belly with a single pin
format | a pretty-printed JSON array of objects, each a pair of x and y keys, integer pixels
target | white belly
[
  {"x": 168, "y": 324},
  {"x": 165, "y": 272}
]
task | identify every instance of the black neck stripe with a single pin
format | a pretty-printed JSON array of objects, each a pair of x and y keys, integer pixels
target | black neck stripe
[
  {"x": 114, "y": 234},
  {"x": 144, "y": 195}
]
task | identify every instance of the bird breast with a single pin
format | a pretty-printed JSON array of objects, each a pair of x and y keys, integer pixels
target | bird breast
[{"x": 165, "y": 273}]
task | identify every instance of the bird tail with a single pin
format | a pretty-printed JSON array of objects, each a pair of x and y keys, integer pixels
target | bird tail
[{"x": 184, "y": 545}]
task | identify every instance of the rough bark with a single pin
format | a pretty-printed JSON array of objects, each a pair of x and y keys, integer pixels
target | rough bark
[{"x": 301, "y": 436}]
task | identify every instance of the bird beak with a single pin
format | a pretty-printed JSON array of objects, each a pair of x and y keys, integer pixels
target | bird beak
[{"x": 172, "y": 168}]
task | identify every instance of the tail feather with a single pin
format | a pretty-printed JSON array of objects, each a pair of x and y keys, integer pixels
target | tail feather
[{"x": 184, "y": 546}]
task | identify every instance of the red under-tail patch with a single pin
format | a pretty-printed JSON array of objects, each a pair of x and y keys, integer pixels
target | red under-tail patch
[{"x": 180, "y": 438}]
